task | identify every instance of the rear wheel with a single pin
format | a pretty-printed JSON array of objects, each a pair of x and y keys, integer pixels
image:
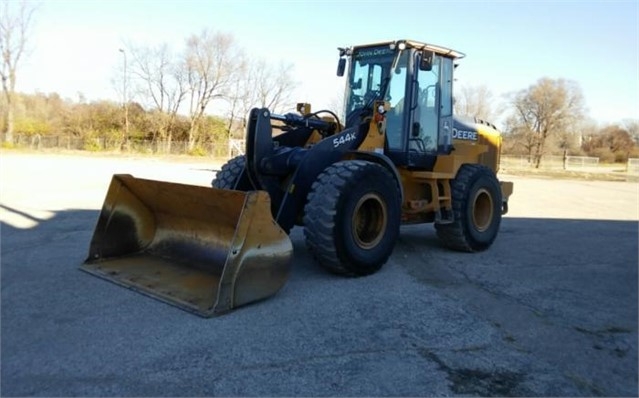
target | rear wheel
[
  {"x": 352, "y": 217},
  {"x": 477, "y": 210},
  {"x": 230, "y": 173}
]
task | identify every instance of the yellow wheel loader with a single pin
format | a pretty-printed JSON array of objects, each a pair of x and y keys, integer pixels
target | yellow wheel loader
[{"x": 399, "y": 157}]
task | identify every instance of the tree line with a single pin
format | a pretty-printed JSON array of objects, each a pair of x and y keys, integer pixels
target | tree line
[
  {"x": 50, "y": 115},
  {"x": 210, "y": 71},
  {"x": 538, "y": 123},
  {"x": 549, "y": 118},
  {"x": 168, "y": 95}
]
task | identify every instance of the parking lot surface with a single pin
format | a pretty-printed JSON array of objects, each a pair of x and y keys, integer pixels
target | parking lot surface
[{"x": 549, "y": 310}]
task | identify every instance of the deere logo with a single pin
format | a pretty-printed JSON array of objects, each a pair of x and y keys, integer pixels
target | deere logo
[
  {"x": 464, "y": 135},
  {"x": 373, "y": 52}
]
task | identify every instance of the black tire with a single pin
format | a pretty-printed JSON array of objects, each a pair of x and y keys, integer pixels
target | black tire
[
  {"x": 227, "y": 177},
  {"x": 352, "y": 217},
  {"x": 477, "y": 204}
]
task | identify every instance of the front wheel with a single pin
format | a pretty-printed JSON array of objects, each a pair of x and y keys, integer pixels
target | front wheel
[
  {"x": 477, "y": 205},
  {"x": 230, "y": 173},
  {"x": 352, "y": 217}
]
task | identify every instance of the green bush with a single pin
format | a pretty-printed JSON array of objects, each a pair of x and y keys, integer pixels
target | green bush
[
  {"x": 7, "y": 145},
  {"x": 92, "y": 145},
  {"x": 29, "y": 126},
  {"x": 605, "y": 155},
  {"x": 197, "y": 151}
]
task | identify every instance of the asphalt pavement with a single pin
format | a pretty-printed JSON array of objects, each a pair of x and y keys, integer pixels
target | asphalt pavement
[{"x": 549, "y": 310}]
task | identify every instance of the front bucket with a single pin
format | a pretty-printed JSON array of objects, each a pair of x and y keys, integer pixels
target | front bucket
[{"x": 202, "y": 249}]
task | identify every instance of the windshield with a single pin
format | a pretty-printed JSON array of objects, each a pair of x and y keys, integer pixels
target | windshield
[{"x": 370, "y": 70}]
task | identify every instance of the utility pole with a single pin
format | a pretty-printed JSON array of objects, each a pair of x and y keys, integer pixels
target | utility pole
[{"x": 126, "y": 101}]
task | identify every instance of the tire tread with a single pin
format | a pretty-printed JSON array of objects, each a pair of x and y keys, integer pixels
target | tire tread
[
  {"x": 455, "y": 235},
  {"x": 322, "y": 209},
  {"x": 230, "y": 172}
]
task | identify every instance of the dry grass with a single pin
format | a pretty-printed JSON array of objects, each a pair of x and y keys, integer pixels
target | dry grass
[{"x": 573, "y": 174}]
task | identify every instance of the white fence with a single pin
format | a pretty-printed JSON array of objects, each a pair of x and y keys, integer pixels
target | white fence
[
  {"x": 632, "y": 167},
  {"x": 236, "y": 147},
  {"x": 581, "y": 161},
  {"x": 550, "y": 162}
]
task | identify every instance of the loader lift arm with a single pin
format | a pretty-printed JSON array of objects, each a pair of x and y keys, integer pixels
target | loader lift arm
[{"x": 286, "y": 169}]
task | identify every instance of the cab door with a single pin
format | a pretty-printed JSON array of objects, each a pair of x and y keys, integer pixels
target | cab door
[{"x": 431, "y": 113}]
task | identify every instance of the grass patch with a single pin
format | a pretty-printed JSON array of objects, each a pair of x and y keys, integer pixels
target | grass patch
[
  {"x": 8, "y": 145},
  {"x": 572, "y": 175}
]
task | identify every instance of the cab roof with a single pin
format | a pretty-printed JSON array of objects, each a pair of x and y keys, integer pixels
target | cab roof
[{"x": 446, "y": 52}]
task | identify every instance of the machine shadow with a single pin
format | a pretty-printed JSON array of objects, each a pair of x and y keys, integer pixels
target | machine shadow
[
  {"x": 579, "y": 272},
  {"x": 564, "y": 248},
  {"x": 519, "y": 235}
]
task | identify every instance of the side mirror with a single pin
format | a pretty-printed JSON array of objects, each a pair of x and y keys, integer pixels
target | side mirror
[
  {"x": 415, "y": 130},
  {"x": 426, "y": 61},
  {"x": 341, "y": 65}
]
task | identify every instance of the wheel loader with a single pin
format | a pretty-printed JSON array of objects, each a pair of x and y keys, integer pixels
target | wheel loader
[{"x": 399, "y": 156}]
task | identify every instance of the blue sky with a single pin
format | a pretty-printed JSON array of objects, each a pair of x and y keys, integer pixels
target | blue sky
[{"x": 509, "y": 45}]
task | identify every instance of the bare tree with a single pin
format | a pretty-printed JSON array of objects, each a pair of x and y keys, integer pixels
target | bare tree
[
  {"x": 260, "y": 85},
  {"x": 518, "y": 138},
  {"x": 211, "y": 61},
  {"x": 336, "y": 104},
  {"x": 273, "y": 86},
  {"x": 475, "y": 101},
  {"x": 14, "y": 32},
  {"x": 545, "y": 109},
  {"x": 632, "y": 126},
  {"x": 611, "y": 143},
  {"x": 240, "y": 95},
  {"x": 161, "y": 85}
]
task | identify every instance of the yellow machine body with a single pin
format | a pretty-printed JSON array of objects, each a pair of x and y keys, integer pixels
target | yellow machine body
[
  {"x": 426, "y": 193},
  {"x": 210, "y": 250}
]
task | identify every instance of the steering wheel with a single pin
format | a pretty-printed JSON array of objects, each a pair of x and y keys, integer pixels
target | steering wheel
[
  {"x": 357, "y": 100},
  {"x": 370, "y": 96}
]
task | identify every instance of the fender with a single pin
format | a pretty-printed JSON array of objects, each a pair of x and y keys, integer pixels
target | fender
[{"x": 384, "y": 161}]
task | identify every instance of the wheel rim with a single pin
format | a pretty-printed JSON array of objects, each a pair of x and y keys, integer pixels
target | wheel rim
[
  {"x": 482, "y": 210},
  {"x": 369, "y": 221}
]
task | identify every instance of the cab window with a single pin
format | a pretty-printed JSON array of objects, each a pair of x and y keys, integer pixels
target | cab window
[{"x": 426, "y": 114}]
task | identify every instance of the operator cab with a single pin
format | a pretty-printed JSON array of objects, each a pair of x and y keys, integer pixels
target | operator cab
[{"x": 416, "y": 79}]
